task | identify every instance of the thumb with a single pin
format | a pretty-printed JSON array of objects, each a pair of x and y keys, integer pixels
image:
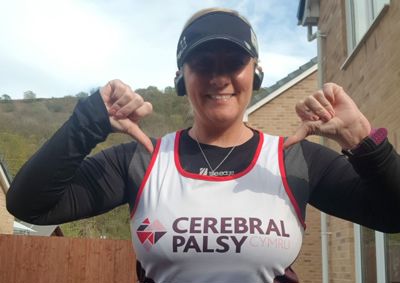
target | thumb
[
  {"x": 305, "y": 129},
  {"x": 291, "y": 140},
  {"x": 135, "y": 132}
]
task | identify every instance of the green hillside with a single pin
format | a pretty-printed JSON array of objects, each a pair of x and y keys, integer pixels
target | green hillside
[{"x": 26, "y": 124}]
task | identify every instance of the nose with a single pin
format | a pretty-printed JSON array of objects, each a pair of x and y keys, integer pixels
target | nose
[{"x": 220, "y": 79}]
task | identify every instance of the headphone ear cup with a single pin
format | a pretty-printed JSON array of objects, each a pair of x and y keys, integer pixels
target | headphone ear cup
[
  {"x": 180, "y": 84},
  {"x": 258, "y": 78}
]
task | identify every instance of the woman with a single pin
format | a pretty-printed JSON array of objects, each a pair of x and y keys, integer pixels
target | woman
[{"x": 218, "y": 202}]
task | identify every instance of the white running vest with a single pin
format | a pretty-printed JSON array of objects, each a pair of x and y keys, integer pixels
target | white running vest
[{"x": 194, "y": 228}]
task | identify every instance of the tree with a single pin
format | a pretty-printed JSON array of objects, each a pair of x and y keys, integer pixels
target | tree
[
  {"x": 5, "y": 97},
  {"x": 29, "y": 95},
  {"x": 169, "y": 91},
  {"x": 93, "y": 90},
  {"x": 81, "y": 94}
]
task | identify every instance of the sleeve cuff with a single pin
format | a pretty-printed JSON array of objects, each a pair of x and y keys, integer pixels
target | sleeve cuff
[
  {"x": 91, "y": 116},
  {"x": 369, "y": 144}
]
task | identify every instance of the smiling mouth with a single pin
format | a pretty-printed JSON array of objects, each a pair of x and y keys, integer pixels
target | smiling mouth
[{"x": 223, "y": 97}]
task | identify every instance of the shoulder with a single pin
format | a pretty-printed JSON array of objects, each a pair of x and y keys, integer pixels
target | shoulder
[
  {"x": 311, "y": 157},
  {"x": 309, "y": 152},
  {"x": 309, "y": 148},
  {"x": 124, "y": 152}
]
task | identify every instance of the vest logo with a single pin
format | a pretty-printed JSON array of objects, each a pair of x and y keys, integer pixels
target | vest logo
[
  {"x": 227, "y": 234},
  {"x": 206, "y": 172},
  {"x": 203, "y": 171},
  {"x": 150, "y": 233}
]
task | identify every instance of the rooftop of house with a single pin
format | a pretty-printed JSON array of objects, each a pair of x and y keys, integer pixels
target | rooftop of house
[{"x": 267, "y": 91}]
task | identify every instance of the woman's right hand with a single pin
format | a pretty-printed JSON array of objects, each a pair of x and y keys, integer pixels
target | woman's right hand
[{"x": 125, "y": 108}]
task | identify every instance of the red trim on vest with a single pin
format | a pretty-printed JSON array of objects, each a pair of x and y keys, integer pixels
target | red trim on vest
[
  {"x": 285, "y": 183},
  {"x": 183, "y": 172},
  {"x": 146, "y": 176}
]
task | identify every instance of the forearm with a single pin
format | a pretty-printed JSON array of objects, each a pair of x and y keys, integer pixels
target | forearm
[
  {"x": 365, "y": 191},
  {"x": 380, "y": 186},
  {"x": 44, "y": 180}
]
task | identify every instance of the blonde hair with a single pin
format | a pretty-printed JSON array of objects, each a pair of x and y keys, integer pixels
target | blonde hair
[{"x": 206, "y": 11}]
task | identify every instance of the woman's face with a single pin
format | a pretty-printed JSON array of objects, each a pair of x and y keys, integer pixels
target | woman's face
[{"x": 219, "y": 83}]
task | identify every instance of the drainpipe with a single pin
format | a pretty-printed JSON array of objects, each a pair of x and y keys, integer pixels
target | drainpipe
[
  {"x": 324, "y": 248},
  {"x": 4, "y": 184},
  {"x": 324, "y": 226}
]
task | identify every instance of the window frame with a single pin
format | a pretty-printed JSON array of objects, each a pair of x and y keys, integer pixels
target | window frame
[
  {"x": 370, "y": 22},
  {"x": 382, "y": 267}
]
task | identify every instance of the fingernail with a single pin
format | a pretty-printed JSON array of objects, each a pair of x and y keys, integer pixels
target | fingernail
[
  {"x": 111, "y": 111},
  {"x": 326, "y": 118}
]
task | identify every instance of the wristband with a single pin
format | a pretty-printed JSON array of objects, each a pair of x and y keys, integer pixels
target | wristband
[{"x": 370, "y": 143}]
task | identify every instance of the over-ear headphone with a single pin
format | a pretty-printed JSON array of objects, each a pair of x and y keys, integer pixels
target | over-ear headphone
[
  {"x": 258, "y": 77},
  {"x": 180, "y": 81}
]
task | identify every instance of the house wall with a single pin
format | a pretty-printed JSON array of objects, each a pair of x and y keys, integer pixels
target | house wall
[
  {"x": 372, "y": 79},
  {"x": 6, "y": 219},
  {"x": 278, "y": 117}
]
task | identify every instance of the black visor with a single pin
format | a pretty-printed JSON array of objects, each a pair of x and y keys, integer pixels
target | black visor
[{"x": 216, "y": 26}]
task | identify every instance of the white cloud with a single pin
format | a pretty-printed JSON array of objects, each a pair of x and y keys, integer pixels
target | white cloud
[
  {"x": 279, "y": 65},
  {"x": 58, "y": 48}
]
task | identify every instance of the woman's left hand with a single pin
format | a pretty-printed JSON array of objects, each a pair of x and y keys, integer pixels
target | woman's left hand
[{"x": 331, "y": 113}]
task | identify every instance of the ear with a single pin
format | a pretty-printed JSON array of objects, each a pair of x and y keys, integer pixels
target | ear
[{"x": 179, "y": 83}]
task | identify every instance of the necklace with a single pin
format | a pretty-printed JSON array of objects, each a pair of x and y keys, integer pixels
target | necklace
[{"x": 206, "y": 159}]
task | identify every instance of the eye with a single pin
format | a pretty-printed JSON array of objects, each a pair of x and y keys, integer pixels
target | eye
[
  {"x": 235, "y": 61},
  {"x": 222, "y": 62},
  {"x": 202, "y": 63}
]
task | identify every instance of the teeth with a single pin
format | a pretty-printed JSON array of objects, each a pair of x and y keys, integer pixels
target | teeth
[{"x": 221, "y": 97}]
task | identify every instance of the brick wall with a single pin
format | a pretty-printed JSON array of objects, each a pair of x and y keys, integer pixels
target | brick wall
[
  {"x": 341, "y": 251},
  {"x": 6, "y": 219},
  {"x": 372, "y": 78},
  {"x": 278, "y": 117}
]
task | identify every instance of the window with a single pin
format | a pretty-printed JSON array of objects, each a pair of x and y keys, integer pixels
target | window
[
  {"x": 368, "y": 255},
  {"x": 393, "y": 257},
  {"x": 360, "y": 15},
  {"x": 377, "y": 256}
]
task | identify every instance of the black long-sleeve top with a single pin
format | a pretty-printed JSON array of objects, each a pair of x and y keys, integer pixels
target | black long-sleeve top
[{"x": 60, "y": 183}]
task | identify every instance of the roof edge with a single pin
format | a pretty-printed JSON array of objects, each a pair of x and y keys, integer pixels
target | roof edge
[{"x": 278, "y": 91}]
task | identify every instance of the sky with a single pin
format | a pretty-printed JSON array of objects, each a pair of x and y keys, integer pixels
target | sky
[{"x": 60, "y": 48}]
